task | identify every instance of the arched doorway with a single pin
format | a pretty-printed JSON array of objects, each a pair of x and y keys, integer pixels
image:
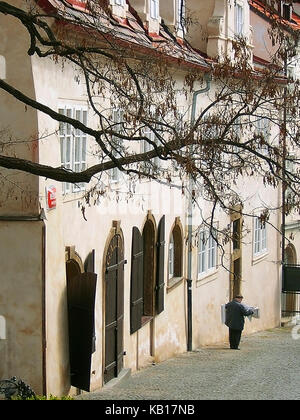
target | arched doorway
[
  {"x": 114, "y": 305},
  {"x": 289, "y": 301},
  {"x": 81, "y": 291}
]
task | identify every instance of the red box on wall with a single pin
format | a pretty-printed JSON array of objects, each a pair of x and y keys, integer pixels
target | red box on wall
[{"x": 51, "y": 197}]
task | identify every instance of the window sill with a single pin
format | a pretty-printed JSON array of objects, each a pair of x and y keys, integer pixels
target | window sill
[
  {"x": 207, "y": 278},
  {"x": 174, "y": 282},
  {"x": 259, "y": 257}
]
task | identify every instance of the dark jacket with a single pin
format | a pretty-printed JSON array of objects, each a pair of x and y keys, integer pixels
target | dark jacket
[{"x": 235, "y": 312}]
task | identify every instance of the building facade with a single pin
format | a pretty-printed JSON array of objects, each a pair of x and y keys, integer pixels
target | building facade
[{"x": 89, "y": 290}]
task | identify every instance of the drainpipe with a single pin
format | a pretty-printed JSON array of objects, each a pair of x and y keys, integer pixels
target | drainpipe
[
  {"x": 283, "y": 193},
  {"x": 207, "y": 78}
]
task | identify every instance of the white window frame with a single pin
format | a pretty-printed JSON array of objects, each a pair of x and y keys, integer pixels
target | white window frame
[
  {"x": 259, "y": 237},
  {"x": 119, "y": 2},
  {"x": 73, "y": 144},
  {"x": 206, "y": 253},
  {"x": 154, "y": 9},
  {"x": 239, "y": 16}
]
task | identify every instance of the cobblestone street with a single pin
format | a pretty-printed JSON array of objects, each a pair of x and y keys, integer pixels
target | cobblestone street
[{"x": 266, "y": 368}]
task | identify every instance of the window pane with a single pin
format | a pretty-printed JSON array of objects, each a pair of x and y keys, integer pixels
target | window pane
[
  {"x": 260, "y": 237},
  {"x": 264, "y": 238},
  {"x": 211, "y": 252},
  {"x": 238, "y": 19},
  {"x": 154, "y": 9},
  {"x": 69, "y": 114},
  {"x": 84, "y": 117},
  {"x": 62, "y": 125},
  {"x": 62, "y": 152},
  {"x": 201, "y": 253},
  {"x": 83, "y": 149},
  {"x": 171, "y": 257},
  {"x": 68, "y": 150},
  {"x": 77, "y": 149},
  {"x": 78, "y": 118},
  {"x": 180, "y": 13}
]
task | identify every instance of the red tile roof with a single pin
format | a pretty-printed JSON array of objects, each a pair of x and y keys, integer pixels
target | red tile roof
[
  {"x": 131, "y": 31},
  {"x": 260, "y": 7}
]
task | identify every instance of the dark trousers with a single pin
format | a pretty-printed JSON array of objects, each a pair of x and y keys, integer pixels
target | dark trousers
[{"x": 234, "y": 338}]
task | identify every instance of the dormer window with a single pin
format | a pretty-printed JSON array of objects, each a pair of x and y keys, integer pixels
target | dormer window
[
  {"x": 154, "y": 9},
  {"x": 180, "y": 15},
  {"x": 119, "y": 8},
  {"x": 285, "y": 10}
]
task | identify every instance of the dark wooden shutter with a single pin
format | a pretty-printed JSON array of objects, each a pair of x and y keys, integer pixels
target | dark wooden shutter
[
  {"x": 160, "y": 268},
  {"x": 89, "y": 267},
  {"x": 136, "y": 288},
  {"x": 89, "y": 263},
  {"x": 81, "y": 291}
]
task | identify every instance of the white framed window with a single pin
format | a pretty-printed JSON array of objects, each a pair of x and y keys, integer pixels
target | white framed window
[
  {"x": 119, "y": 2},
  {"x": 238, "y": 19},
  {"x": 117, "y": 119},
  {"x": 207, "y": 252},
  {"x": 154, "y": 9},
  {"x": 73, "y": 145},
  {"x": 259, "y": 237}
]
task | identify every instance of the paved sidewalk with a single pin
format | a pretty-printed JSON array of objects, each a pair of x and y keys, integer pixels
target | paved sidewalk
[{"x": 266, "y": 368}]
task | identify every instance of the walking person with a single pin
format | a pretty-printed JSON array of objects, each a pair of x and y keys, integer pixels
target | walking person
[{"x": 235, "y": 313}]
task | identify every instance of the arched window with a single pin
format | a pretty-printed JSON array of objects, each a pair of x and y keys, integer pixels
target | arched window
[
  {"x": 175, "y": 251},
  {"x": 147, "y": 272}
]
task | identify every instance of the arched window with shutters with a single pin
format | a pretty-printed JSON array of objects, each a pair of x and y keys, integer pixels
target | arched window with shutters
[{"x": 147, "y": 273}]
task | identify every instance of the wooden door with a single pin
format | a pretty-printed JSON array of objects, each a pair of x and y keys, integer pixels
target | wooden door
[
  {"x": 81, "y": 291},
  {"x": 114, "y": 308}
]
